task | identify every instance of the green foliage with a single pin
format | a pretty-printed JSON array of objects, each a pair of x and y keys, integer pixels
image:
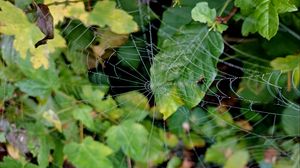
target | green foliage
[
  {"x": 89, "y": 153},
  {"x": 132, "y": 138},
  {"x": 175, "y": 71},
  {"x": 105, "y": 13},
  {"x": 203, "y": 13},
  {"x": 290, "y": 122},
  {"x": 149, "y": 83},
  {"x": 262, "y": 16}
]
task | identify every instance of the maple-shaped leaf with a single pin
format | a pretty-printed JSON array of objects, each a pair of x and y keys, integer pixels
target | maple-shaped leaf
[
  {"x": 13, "y": 21},
  {"x": 61, "y": 10},
  {"x": 105, "y": 13}
]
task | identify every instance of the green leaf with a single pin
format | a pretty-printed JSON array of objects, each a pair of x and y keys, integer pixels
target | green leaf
[
  {"x": 288, "y": 63},
  {"x": 282, "y": 44},
  {"x": 130, "y": 53},
  {"x": 6, "y": 91},
  {"x": 246, "y": 6},
  {"x": 105, "y": 13},
  {"x": 134, "y": 104},
  {"x": 83, "y": 114},
  {"x": 138, "y": 10},
  {"x": 89, "y": 153},
  {"x": 173, "y": 19},
  {"x": 174, "y": 162},
  {"x": 175, "y": 122},
  {"x": 296, "y": 156},
  {"x": 290, "y": 121},
  {"x": 283, "y": 6},
  {"x": 185, "y": 68},
  {"x": 9, "y": 162},
  {"x": 216, "y": 153},
  {"x": 44, "y": 151},
  {"x": 266, "y": 19},
  {"x": 203, "y": 14},
  {"x": 131, "y": 138},
  {"x": 34, "y": 88},
  {"x": 239, "y": 159},
  {"x": 95, "y": 97},
  {"x": 249, "y": 25}
]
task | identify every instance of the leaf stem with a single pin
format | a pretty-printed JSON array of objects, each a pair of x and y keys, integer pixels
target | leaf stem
[
  {"x": 129, "y": 165},
  {"x": 224, "y": 7},
  {"x": 289, "y": 81},
  {"x": 81, "y": 131}
]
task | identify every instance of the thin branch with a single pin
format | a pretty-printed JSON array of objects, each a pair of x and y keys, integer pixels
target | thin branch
[
  {"x": 129, "y": 165},
  {"x": 225, "y": 19},
  {"x": 224, "y": 7}
]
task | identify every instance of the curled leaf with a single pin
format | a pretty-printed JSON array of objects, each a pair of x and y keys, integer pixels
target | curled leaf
[{"x": 45, "y": 23}]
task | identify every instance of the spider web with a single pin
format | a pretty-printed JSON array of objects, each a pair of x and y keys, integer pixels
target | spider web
[{"x": 234, "y": 66}]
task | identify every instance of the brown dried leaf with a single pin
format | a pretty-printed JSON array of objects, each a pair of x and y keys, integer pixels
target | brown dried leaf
[{"x": 45, "y": 23}]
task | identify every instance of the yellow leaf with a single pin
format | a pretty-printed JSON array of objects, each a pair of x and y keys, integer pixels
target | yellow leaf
[
  {"x": 52, "y": 118},
  {"x": 169, "y": 102},
  {"x": 106, "y": 14},
  {"x": 13, "y": 21},
  {"x": 61, "y": 10},
  {"x": 13, "y": 152}
]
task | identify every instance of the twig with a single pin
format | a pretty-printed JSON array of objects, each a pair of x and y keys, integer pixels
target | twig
[
  {"x": 224, "y": 7},
  {"x": 129, "y": 165},
  {"x": 225, "y": 19},
  {"x": 238, "y": 39},
  {"x": 89, "y": 5}
]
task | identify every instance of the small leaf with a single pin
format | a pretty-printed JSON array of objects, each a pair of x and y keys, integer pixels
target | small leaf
[
  {"x": 267, "y": 19},
  {"x": 288, "y": 63},
  {"x": 238, "y": 159},
  {"x": 8, "y": 162},
  {"x": 246, "y": 6},
  {"x": 61, "y": 10},
  {"x": 95, "y": 97},
  {"x": 34, "y": 88},
  {"x": 134, "y": 104},
  {"x": 83, "y": 114},
  {"x": 221, "y": 27},
  {"x": 130, "y": 137},
  {"x": 216, "y": 153},
  {"x": 284, "y": 6},
  {"x": 105, "y": 13},
  {"x": 202, "y": 13},
  {"x": 173, "y": 19},
  {"x": 53, "y": 119},
  {"x": 89, "y": 153}
]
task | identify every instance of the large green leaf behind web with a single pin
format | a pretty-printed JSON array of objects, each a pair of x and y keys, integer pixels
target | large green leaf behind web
[{"x": 185, "y": 68}]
